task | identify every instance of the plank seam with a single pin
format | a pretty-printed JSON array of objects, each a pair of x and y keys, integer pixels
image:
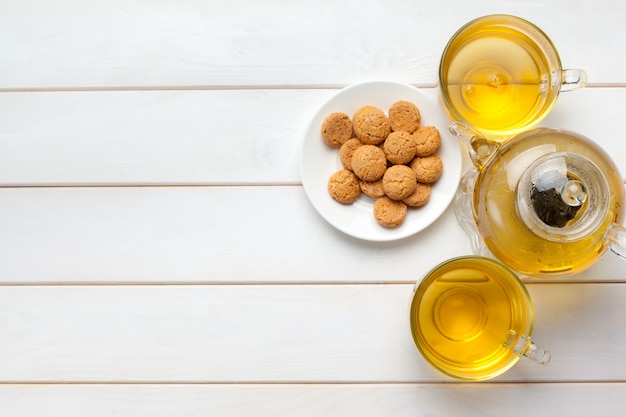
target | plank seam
[
  {"x": 313, "y": 383},
  {"x": 226, "y": 87}
]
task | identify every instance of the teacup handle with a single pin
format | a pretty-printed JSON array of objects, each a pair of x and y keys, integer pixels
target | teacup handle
[
  {"x": 528, "y": 348},
  {"x": 537, "y": 353},
  {"x": 573, "y": 79}
]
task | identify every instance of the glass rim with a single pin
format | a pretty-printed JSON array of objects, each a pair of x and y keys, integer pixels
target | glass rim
[
  {"x": 523, "y": 24},
  {"x": 428, "y": 279}
]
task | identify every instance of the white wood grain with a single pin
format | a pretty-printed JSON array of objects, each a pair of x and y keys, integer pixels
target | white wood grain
[
  {"x": 62, "y": 43},
  {"x": 166, "y": 137},
  {"x": 198, "y": 234},
  {"x": 291, "y": 333},
  {"x": 217, "y": 289},
  {"x": 314, "y": 400},
  {"x": 208, "y": 235},
  {"x": 204, "y": 137}
]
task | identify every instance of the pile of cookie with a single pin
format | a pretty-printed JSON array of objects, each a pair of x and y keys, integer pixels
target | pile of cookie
[{"x": 389, "y": 157}]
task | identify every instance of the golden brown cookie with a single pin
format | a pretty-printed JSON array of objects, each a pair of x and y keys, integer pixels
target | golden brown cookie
[
  {"x": 427, "y": 169},
  {"x": 368, "y": 162},
  {"x": 400, "y": 147},
  {"x": 336, "y": 129},
  {"x": 404, "y": 115},
  {"x": 343, "y": 186},
  {"x": 428, "y": 140},
  {"x": 346, "y": 151},
  {"x": 372, "y": 188},
  {"x": 388, "y": 212},
  {"x": 371, "y": 125},
  {"x": 399, "y": 182},
  {"x": 419, "y": 197}
]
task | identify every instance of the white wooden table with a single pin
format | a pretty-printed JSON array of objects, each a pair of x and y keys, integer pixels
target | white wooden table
[{"x": 158, "y": 254}]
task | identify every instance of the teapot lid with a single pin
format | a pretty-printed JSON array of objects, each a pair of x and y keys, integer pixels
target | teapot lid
[{"x": 561, "y": 196}]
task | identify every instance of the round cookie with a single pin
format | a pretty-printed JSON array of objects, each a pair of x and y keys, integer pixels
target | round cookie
[
  {"x": 419, "y": 197},
  {"x": 404, "y": 115},
  {"x": 388, "y": 212},
  {"x": 399, "y": 182},
  {"x": 428, "y": 140},
  {"x": 371, "y": 125},
  {"x": 372, "y": 188},
  {"x": 346, "y": 151},
  {"x": 336, "y": 129},
  {"x": 400, "y": 147},
  {"x": 368, "y": 162},
  {"x": 427, "y": 169},
  {"x": 343, "y": 186}
]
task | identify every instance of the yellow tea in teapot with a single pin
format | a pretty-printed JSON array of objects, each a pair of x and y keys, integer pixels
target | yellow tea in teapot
[
  {"x": 466, "y": 313},
  {"x": 533, "y": 231},
  {"x": 497, "y": 80}
]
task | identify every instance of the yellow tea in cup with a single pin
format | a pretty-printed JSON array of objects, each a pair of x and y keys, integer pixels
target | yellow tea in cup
[
  {"x": 472, "y": 318},
  {"x": 501, "y": 74}
]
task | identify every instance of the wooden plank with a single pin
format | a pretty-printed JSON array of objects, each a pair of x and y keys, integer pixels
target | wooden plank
[
  {"x": 166, "y": 137},
  {"x": 290, "y": 333},
  {"x": 309, "y": 400},
  {"x": 204, "y": 137},
  {"x": 198, "y": 234},
  {"x": 201, "y": 234},
  {"x": 116, "y": 44}
]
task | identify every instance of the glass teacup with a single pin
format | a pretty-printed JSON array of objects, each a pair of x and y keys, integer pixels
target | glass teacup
[
  {"x": 472, "y": 318},
  {"x": 502, "y": 74}
]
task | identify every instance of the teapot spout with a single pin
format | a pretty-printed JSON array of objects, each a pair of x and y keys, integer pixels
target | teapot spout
[{"x": 481, "y": 149}]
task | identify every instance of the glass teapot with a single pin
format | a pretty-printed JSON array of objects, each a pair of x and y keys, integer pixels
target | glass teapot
[{"x": 545, "y": 202}]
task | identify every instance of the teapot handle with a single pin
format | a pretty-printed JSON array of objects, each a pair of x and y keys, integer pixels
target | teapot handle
[
  {"x": 464, "y": 211},
  {"x": 616, "y": 238}
]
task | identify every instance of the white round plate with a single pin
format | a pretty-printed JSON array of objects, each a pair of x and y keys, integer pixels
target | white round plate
[{"x": 319, "y": 161}]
